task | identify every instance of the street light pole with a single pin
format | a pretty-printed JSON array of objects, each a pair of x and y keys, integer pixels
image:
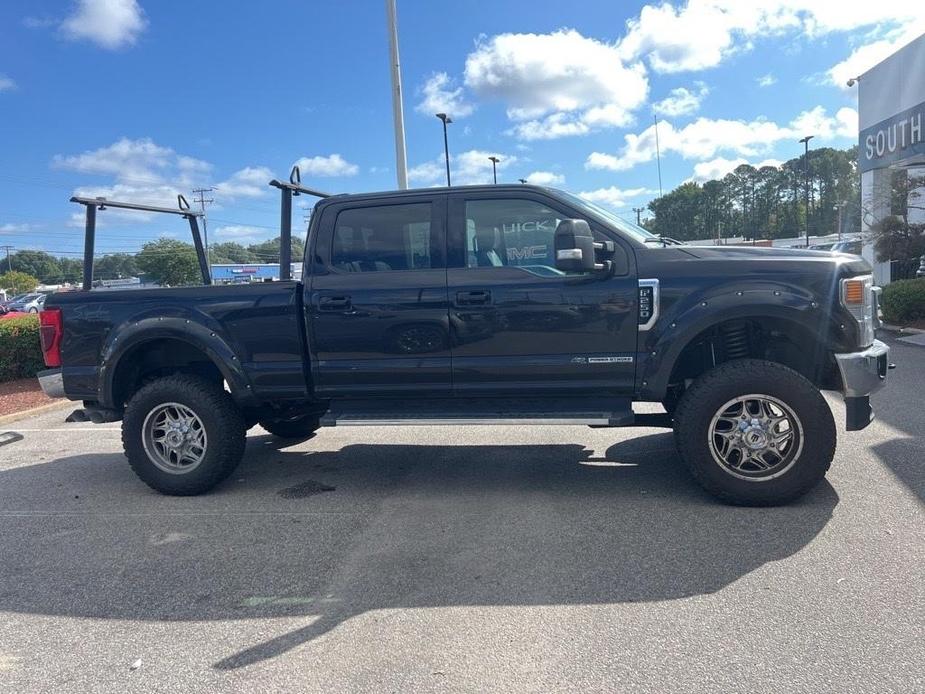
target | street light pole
[
  {"x": 446, "y": 147},
  {"x": 805, "y": 142},
  {"x": 494, "y": 170}
]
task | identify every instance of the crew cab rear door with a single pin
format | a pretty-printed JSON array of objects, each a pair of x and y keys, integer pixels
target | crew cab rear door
[
  {"x": 378, "y": 318},
  {"x": 519, "y": 325}
]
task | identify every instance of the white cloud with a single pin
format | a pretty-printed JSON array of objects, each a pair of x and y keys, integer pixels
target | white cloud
[
  {"x": 330, "y": 166},
  {"x": 466, "y": 168},
  {"x": 11, "y": 228},
  {"x": 717, "y": 168},
  {"x": 145, "y": 172},
  {"x": 701, "y": 33},
  {"x": 440, "y": 96},
  {"x": 110, "y": 24},
  {"x": 681, "y": 101},
  {"x": 706, "y": 137},
  {"x": 766, "y": 80},
  {"x": 249, "y": 182},
  {"x": 135, "y": 159},
  {"x": 6, "y": 83},
  {"x": 545, "y": 178},
  {"x": 864, "y": 57},
  {"x": 556, "y": 84},
  {"x": 615, "y": 197}
]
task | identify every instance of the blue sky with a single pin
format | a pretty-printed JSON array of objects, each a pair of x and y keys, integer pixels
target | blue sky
[{"x": 141, "y": 100}]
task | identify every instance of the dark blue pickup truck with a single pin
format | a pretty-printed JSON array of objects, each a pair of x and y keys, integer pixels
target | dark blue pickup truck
[{"x": 485, "y": 305}]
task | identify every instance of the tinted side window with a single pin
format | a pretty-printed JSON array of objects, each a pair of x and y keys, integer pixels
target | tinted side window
[
  {"x": 510, "y": 232},
  {"x": 385, "y": 238}
]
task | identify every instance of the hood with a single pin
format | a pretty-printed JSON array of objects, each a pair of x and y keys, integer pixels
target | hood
[{"x": 855, "y": 264}]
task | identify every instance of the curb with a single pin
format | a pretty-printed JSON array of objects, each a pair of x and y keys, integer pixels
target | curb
[
  {"x": 16, "y": 416},
  {"x": 901, "y": 330}
]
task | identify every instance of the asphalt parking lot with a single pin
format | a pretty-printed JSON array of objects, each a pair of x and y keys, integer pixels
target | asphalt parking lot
[{"x": 494, "y": 558}]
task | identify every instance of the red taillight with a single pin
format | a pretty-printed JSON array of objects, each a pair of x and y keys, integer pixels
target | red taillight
[{"x": 50, "y": 331}]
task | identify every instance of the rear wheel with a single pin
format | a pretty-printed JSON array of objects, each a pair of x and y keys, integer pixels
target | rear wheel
[
  {"x": 298, "y": 428},
  {"x": 755, "y": 433},
  {"x": 183, "y": 434}
]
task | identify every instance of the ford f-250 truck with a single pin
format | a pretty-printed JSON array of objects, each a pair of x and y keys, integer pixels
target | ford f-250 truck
[{"x": 485, "y": 305}]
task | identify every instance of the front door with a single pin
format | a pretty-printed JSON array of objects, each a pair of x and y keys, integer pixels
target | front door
[
  {"x": 377, "y": 301},
  {"x": 519, "y": 325}
]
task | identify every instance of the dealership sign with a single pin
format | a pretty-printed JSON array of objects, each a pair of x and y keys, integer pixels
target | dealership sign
[{"x": 893, "y": 140}]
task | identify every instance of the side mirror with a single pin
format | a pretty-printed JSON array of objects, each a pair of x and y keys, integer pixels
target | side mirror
[{"x": 574, "y": 246}]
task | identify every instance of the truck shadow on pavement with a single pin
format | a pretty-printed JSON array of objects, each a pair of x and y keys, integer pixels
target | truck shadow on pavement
[{"x": 406, "y": 526}]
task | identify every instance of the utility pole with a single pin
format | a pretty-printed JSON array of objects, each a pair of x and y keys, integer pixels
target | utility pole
[
  {"x": 201, "y": 192},
  {"x": 805, "y": 142},
  {"x": 398, "y": 115},
  {"x": 638, "y": 211},
  {"x": 9, "y": 260}
]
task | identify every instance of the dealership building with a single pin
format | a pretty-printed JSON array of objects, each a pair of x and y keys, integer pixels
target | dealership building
[
  {"x": 891, "y": 144},
  {"x": 243, "y": 273}
]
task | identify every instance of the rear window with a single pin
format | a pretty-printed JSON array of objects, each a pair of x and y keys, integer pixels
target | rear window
[{"x": 385, "y": 238}]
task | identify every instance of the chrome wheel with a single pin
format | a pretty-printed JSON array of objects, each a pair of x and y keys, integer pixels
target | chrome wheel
[
  {"x": 174, "y": 438},
  {"x": 755, "y": 437}
]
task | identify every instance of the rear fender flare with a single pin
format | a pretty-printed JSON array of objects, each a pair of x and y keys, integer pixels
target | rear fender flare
[{"x": 124, "y": 339}]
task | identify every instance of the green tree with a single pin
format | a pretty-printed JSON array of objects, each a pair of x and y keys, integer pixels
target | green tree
[
  {"x": 115, "y": 266},
  {"x": 677, "y": 214},
  {"x": 72, "y": 270},
  {"x": 268, "y": 251},
  {"x": 231, "y": 252},
  {"x": 169, "y": 262},
  {"x": 895, "y": 236},
  {"x": 18, "y": 282},
  {"x": 39, "y": 264},
  {"x": 768, "y": 202}
]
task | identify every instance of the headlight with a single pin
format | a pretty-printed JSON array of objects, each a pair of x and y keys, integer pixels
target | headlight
[{"x": 857, "y": 297}]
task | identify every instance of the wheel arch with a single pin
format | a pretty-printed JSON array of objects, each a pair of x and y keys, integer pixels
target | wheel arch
[
  {"x": 156, "y": 347},
  {"x": 790, "y": 336}
]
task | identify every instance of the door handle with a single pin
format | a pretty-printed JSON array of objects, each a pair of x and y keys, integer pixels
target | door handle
[
  {"x": 335, "y": 303},
  {"x": 475, "y": 298}
]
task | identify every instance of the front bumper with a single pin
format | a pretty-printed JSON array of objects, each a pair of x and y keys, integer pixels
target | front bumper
[
  {"x": 862, "y": 373},
  {"x": 52, "y": 383}
]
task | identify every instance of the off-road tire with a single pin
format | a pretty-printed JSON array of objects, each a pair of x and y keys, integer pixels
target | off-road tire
[
  {"x": 300, "y": 428},
  {"x": 709, "y": 392},
  {"x": 221, "y": 420}
]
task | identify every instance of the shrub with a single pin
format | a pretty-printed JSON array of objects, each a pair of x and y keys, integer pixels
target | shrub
[
  {"x": 20, "y": 349},
  {"x": 904, "y": 301}
]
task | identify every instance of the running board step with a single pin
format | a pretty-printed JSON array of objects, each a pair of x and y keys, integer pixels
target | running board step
[{"x": 563, "y": 411}]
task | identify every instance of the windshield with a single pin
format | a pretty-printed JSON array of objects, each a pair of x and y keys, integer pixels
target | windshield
[{"x": 623, "y": 225}]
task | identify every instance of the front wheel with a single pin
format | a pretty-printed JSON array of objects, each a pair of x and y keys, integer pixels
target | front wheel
[
  {"x": 755, "y": 433},
  {"x": 183, "y": 435}
]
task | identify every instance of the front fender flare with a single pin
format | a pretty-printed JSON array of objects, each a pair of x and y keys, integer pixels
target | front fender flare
[{"x": 689, "y": 317}]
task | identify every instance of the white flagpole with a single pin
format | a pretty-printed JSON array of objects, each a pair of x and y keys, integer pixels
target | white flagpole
[{"x": 401, "y": 157}]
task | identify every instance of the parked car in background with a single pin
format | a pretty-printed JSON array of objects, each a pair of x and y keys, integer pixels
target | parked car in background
[
  {"x": 28, "y": 303},
  {"x": 852, "y": 247},
  {"x": 5, "y": 305},
  {"x": 822, "y": 247}
]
